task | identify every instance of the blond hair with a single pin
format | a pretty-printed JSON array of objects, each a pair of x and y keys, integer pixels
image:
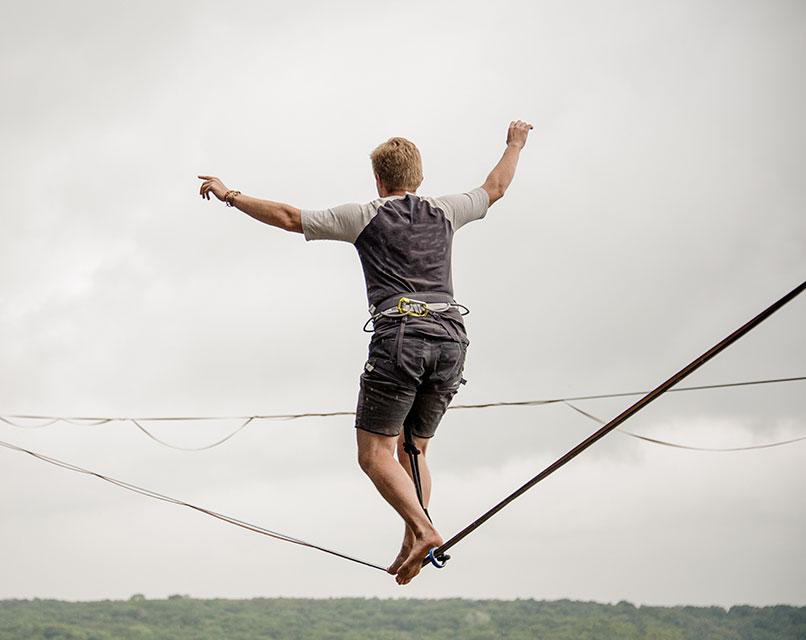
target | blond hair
[{"x": 398, "y": 164}]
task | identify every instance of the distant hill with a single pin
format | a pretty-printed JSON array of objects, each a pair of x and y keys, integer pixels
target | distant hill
[{"x": 180, "y": 618}]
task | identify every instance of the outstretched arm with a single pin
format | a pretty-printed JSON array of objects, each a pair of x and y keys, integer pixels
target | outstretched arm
[
  {"x": 277, "y": 214},
  {"x": 501, "y": 175}
]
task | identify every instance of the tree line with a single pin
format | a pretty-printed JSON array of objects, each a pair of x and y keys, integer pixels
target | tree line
[{"x": 180, "y": 618}]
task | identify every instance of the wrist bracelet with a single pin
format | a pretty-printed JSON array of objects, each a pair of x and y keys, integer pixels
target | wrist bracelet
[{"x": 229, "y": 195}]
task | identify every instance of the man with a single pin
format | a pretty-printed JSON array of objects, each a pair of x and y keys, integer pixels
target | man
[{"x": 417, "y": 351}]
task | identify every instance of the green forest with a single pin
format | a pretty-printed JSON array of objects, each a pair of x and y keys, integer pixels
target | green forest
[{"x": 180, "y": 618}]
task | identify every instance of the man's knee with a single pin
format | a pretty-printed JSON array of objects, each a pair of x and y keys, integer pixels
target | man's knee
[
  {"x": 366, "y": 460},
  {"x": 420, "y": 443},
  {"x": 373, "y": 448}
]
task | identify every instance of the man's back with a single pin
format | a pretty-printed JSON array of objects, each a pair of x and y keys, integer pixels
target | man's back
[{"x": 403, "y": 241}]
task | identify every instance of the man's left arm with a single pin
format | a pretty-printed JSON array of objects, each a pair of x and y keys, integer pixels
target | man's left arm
[{"x": 276, "y": 214}]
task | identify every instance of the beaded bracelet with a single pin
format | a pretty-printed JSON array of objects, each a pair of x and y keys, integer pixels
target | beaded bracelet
[{"x": 229, "y": 195}]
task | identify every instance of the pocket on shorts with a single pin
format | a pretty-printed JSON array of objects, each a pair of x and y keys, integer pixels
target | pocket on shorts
[
  {"x": 382, "y": 361},
  {"x": 379, "y": 353},
  {"x": 448, "y": 376}
]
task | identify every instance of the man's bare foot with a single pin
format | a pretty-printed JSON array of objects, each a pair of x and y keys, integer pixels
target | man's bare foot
[
  {"x": 419, "y": 550},
  {"x": 405, "y": 550}
]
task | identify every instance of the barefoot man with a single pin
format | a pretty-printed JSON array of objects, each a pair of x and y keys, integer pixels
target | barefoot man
[{"x": 417, "y": 350}]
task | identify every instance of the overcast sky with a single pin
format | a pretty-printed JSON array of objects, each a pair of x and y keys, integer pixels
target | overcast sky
[{"x": 658, "y": 205}]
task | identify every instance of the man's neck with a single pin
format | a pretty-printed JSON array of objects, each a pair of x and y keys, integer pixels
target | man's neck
[{"x": 383, "y": 193}]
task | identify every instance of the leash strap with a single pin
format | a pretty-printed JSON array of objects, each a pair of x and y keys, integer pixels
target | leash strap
[{"x": 413, "y": 452}]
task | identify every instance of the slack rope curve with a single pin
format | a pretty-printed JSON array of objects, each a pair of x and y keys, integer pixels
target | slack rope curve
[
  {"x": 214, "y": 514},
  {"x": 677, "y": 445},
  {"x": 13, "y": 419},
  {"x": 623, "y": 416}
]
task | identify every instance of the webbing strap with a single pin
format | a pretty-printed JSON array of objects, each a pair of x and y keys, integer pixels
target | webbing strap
[
  {"x": 413, "y": 452},
  {"x": 627, "y": 413},
  {"x": 401, "y": 331},
  {"x": 427, "y": 304},
  {"x": 423, "y": 296}
]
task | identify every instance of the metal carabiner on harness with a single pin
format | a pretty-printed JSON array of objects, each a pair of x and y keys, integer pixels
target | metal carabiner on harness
[
  {"x": 414, "y": 308},
  {"x": 410, "y": 307}
]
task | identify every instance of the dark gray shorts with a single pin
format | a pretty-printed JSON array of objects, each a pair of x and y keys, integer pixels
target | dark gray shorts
[{"x": 414, "y": 390}]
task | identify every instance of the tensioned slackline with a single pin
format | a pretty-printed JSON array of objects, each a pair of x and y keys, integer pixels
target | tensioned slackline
[{"x": 627, "y": 413}]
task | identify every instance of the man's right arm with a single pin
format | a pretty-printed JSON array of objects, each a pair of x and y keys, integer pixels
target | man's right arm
[{"x": 501, "y": 176}]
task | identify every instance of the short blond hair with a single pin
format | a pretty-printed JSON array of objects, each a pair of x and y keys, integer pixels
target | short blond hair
[{"x": 398, "y": 164}]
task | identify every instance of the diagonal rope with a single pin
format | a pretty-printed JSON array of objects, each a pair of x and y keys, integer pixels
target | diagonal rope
[
  {"x": 214, "y": 514},
  {"x": 685, "y": 446},
  {"x": 623, "y": 416},
  {"x": 13, "y": 420}
]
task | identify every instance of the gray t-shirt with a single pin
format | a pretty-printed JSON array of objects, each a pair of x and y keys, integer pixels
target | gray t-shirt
[{"x": 403, "y": 242}]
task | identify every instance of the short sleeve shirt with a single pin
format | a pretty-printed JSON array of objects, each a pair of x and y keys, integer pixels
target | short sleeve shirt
[{"x": 403, "y": 242}]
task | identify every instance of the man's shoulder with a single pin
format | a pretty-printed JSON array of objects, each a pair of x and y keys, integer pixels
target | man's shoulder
[{"x": 461, "y": 208}]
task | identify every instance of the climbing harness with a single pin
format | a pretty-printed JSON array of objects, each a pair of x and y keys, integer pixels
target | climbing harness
[{"x": 402, "y": 306}]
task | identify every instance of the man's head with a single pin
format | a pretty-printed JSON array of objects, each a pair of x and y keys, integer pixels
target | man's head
[{"x": 397, "y": 166}]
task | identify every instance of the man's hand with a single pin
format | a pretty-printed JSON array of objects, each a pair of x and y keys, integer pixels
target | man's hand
[
  {"x": 276, "y": 214},
  {"x": 517, "y": 133},
  {"x": 214, "y": 185}
]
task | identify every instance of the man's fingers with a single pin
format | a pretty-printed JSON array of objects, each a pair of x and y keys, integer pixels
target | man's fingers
[{"x": 207, "y": 186}]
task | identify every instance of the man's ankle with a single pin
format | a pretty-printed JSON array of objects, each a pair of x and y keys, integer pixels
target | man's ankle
[{"x": 425, "y": 531}]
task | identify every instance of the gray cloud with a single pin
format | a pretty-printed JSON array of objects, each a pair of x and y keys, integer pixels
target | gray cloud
[{"x": 658, "y": 205}]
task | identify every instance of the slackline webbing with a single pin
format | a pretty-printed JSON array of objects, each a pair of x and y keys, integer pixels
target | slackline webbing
[
  {"x": 627, "y": 413},
  {"x": 14, "y": 419},
  {"x": 159, "y": 496}
]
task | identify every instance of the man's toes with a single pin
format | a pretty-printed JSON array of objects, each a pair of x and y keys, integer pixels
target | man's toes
[
  {"x": 401, "y": 557},
  {"x": 409, "y": 569}
]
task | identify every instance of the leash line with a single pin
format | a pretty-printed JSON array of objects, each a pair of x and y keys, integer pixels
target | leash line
[{"x": 209, "y": 512}]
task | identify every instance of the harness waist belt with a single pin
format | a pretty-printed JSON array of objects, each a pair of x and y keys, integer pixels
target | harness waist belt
[
  {"x": 419, "y": 305},
  {"x": 431, "y": 297}
]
